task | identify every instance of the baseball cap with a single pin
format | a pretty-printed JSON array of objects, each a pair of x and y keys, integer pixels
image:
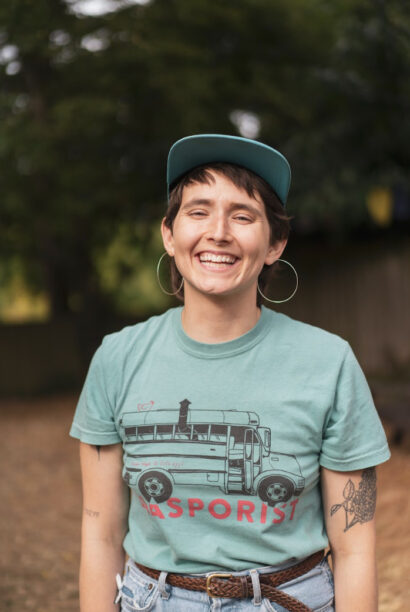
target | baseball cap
[{"x": 191, "y": 151}]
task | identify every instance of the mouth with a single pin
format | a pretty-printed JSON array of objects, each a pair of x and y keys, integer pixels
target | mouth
[{"x": 219, "y": 262}]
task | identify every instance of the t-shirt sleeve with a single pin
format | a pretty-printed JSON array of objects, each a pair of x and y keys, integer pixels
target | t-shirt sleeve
[
  {"x": 94, "y": 421},
  {"x": 353, "y": 436}
]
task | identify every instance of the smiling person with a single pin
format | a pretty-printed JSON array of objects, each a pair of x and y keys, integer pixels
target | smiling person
[{"x": 225, "y": 446}]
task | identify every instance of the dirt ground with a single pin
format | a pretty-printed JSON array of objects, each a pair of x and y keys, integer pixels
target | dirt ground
[{"x": 41, "y": 501}]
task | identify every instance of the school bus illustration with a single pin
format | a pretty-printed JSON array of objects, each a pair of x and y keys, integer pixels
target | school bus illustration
[{"x": 226, "y": 449}]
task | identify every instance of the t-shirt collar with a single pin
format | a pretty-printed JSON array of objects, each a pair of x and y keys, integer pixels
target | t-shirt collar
[{"x": 221, "y": 349}]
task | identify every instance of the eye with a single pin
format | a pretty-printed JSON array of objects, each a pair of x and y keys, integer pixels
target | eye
[
  {"x": 243, "y": 218},
  {"x": 200, "y": 213}
]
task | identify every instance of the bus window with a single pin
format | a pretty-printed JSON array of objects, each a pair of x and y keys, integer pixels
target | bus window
[
  {"x": 248, "y": 444},
  {"x": 200, "y": 432},
  {"x": 130, "y": 431},
  {"x": 237, "y": 437},
  {"x": 256, "y": 449},
  {"x": 218, "y": 433},
  {"x": 145, "y": 432},
  {"x": 164, "y": 432},
  {"x": 183, "y": 434}
]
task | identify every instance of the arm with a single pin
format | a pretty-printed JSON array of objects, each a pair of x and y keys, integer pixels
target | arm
[
  {"x": 104, "y": 524},
  {"x": 349, "y": 500}
]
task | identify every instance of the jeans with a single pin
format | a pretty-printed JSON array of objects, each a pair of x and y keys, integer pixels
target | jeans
[{"x": 140, "y": 593}]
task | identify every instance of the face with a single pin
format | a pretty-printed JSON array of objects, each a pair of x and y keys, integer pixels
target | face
[{"x": 220, "y": 239}]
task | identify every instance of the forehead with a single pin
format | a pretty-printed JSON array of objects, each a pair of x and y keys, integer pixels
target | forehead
[{"x": 219, "y": 186}]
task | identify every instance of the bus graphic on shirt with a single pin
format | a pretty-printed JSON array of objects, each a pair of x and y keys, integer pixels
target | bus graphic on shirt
[{"x": 226, "y": 449}]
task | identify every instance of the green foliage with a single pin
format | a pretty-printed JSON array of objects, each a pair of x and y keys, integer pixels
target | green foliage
[
  {"x": 358, "y": 134},
  {"x": 89, "y": 107},
  {"x": 127, "y": 271}
]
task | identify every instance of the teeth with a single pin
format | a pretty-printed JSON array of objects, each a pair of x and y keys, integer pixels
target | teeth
[{"x": 217, "y": 258}]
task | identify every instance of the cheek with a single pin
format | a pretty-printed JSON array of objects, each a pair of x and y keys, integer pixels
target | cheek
[
  {"x": 186, "y": 234},
  {"x": 184, "y": 241},
  {"x": 257, "y": 245}
]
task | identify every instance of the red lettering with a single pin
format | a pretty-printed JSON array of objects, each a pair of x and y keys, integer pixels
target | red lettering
[
  {"x": 156, "y": 510},
  {"x": 245, "y": 508},
  {"x": 194, "y": 504},
  {"x": 222, "y": 502},
  {"x": 293, "y": 504},
  {"x": 143, "y": 504},
  {"x": 280, "y": 514},
  {"x": 264, "y": 510},
  {"x": 172, "y": 503}
]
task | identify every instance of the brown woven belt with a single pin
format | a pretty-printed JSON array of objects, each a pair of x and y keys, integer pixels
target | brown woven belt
[{"x": 219, "y": 584}]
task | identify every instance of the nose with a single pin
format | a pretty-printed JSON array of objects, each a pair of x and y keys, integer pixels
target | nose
[{"x": 219, "y": 229}]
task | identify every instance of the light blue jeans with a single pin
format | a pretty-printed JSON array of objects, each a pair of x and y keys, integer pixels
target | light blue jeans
[{"x": 140, "y": 593}]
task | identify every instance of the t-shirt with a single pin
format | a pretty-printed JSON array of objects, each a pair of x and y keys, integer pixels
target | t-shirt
[{"x": 223, "y": 442}]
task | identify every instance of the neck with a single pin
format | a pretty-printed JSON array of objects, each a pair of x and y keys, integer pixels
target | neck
[{"x": 212, "y": 320}]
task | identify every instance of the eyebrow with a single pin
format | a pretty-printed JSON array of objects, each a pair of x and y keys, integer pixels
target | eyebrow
[{"x": 232, "y": 206}]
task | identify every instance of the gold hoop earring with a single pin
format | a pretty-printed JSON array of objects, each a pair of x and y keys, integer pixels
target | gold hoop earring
[
  {"x": 159, "y": 282},
  {"x": 292, "y": 294}
]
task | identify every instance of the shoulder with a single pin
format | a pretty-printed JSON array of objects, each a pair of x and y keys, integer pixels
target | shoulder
[
  {"x": 117, "y": 346},
  {"x": 307, "y": 339}
]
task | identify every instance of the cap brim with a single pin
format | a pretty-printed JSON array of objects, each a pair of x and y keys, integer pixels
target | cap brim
[{"x": 261, "y": 159}]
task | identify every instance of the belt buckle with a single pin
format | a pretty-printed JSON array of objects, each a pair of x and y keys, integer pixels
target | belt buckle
[{"x": 210, "y": 578}]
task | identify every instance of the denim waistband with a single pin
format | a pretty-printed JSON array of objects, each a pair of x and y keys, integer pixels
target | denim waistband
[{"x": 318, "y": 575}]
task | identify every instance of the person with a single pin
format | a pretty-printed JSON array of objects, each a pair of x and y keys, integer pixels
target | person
[{"x": 225, "y": 445}]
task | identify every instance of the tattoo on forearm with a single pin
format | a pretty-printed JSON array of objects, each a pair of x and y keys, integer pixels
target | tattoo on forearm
[
  {"x": 92, "y": 513},
  {"x": 98, "y": 448},
  {"x": 359, "y": 504}
]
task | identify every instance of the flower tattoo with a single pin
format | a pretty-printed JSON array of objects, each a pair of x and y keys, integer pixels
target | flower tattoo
[{"x": 359, "y": 504}]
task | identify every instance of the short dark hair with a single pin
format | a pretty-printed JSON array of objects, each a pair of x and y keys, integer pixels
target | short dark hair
[{"x": 245, "y": 179}]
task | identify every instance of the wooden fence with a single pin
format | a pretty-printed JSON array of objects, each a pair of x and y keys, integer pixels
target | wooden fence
[{"x": 361, "y": 293}]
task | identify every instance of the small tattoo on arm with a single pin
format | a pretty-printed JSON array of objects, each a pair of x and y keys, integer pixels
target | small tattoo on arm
[
  {"x": 98, "y": 448},
  {"x": 359, "y": 504},
  {"x": 92, "y": 513}
]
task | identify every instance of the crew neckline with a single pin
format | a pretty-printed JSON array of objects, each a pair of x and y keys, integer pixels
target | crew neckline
[{"x": 218, "y": 350}]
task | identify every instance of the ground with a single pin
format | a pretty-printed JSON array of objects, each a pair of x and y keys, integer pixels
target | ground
[{"x": 41, "y": 509}]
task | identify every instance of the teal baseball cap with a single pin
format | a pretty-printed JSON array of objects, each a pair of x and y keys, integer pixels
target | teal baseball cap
[{"x": 192, "y": 151}]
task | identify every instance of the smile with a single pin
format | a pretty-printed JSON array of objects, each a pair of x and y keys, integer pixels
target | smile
[
  {"x": 217, "y": 262},
  {"x": 217, "y": 259}
]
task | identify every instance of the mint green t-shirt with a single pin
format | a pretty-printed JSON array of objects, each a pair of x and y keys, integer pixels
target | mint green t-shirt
[{"x": 223, "y": 442}]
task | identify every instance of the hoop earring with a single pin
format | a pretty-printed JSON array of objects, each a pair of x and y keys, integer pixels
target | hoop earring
[
  {"x": 292, "y": 294},
  {"x": 159, "y": 282}
]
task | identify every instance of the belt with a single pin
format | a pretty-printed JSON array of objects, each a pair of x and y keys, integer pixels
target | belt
[{"x": 218, "y": 584}]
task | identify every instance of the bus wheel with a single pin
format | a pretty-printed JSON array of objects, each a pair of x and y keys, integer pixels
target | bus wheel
[
  {"x": 275, "y": 489},
  {"x": 155, "y": 485}
]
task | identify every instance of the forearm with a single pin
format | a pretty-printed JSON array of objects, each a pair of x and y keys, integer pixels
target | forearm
[
  {"x": 355, "y": 577},
  {"x": 100, "y": 562},
  {"x": 104, "y": 525}
]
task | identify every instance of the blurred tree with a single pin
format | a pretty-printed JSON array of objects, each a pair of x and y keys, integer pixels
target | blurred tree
[
  {"x": 90, "y": 106},
  {"x": 46, "y": 213},
  {"x": 358, "y": 134}
]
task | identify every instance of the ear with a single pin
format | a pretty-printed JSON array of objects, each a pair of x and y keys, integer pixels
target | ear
[
  {"x": 167, "y": 238},
  {"x": 275, "y": 251}
]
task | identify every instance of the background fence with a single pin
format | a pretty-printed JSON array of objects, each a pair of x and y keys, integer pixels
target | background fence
[{"x": 361, "y": 292}]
